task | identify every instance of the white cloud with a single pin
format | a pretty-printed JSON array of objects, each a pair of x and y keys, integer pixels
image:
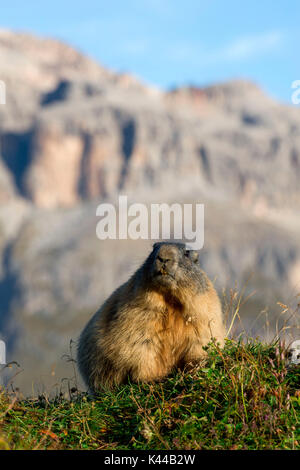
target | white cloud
[
  {"x": 242, "y": 48},
  {"x": 249, "y": 46},
  {"x": 134, "y": 47}
]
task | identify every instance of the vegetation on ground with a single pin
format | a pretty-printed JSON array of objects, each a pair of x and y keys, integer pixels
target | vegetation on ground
[{"x": 244, "y": 397}]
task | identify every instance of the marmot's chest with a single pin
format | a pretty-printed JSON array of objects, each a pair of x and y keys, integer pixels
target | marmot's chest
[{"x": 172, "y": 334}]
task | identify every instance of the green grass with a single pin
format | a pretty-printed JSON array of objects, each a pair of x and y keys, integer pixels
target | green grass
[{"x": 245, "y": 397}]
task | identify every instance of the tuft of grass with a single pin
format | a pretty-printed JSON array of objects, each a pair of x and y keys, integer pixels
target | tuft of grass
[{"x": 245, "y": 397}]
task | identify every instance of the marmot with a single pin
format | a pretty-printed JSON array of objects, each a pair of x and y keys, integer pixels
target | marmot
[{"x": 159, "y": 319}]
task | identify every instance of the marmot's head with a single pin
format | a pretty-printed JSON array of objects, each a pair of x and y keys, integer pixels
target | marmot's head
[{"x": 171, "y": 267}]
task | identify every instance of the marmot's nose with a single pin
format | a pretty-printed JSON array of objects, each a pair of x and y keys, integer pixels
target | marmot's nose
[
  {"x": 166, "y": 253},
  {"x": 163, "y": 262},
  {"x": 165, "y": 259}
]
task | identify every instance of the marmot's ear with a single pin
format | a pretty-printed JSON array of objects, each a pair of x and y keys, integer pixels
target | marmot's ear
[{"x": 194, "y": 256}]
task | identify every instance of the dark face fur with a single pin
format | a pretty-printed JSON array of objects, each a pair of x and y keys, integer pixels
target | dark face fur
[{"x": 171, "y": 266}]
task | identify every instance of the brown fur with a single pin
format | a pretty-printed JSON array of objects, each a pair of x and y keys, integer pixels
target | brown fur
[{"x": 152, "y": 324}]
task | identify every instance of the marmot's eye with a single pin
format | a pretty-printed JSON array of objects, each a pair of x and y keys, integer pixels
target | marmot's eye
[{"x": 192, "y": 255}]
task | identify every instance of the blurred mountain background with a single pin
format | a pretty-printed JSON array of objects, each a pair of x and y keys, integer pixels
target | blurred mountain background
[{"x": 74, "y": 134}]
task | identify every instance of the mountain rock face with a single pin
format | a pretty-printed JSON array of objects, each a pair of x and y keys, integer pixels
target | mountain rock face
[{"x": 73, "y": 135}]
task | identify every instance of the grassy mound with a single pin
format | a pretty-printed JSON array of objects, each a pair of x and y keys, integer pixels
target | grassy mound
[{"x": 245, "y": 397}]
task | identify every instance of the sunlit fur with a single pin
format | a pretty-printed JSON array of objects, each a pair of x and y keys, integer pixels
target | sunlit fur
[{"x": 159, "y": 319}]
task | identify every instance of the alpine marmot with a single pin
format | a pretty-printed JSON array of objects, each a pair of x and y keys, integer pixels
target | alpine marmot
[{"x": 158, "y": 320}]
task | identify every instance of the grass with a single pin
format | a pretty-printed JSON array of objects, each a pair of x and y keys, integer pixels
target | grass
[{"x": 245, "y": 397}]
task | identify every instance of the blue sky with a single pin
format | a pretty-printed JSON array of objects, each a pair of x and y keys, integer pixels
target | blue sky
[{"x": 175, "y": 42}]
